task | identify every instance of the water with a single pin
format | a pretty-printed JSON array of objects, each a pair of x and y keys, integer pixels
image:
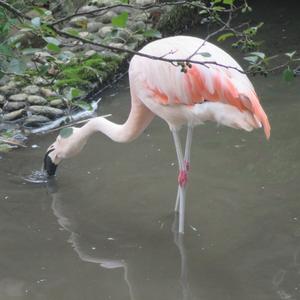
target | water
[{"x": 103, "y": 228}]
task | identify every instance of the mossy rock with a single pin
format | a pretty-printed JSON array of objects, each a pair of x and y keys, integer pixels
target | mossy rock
[{"x": 82, "y": 73}]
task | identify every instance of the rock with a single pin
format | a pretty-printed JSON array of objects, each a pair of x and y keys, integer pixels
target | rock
[
  {"x": 105, "y": 30},
  {"x": 116, "y": 45},
  {"x": 4, "y": 80},
  {"x": 47, "y": 92},
  {"x": 10, "y": 106},
  {"x": 41, "y": 56},
  {"x": 87, "y": 8},
  {"x": 59, "y": 103},
  {"x": 31, "y": 89},
  {"x": 40, "y": 81},
  {"x": 89, "y": 53},
  {"x": 106, "y": 18},
  {"x": 35, "y": 120},
  {"x": 9, "y": 88},
  {"x": 137, "y": 26},
  {"x": 93, "y": 26},
  {"x": 13, "y": 115},
  {"x": 145, "y": 2},
  {"x": 36, "y": 100},
  {"x": 2, "y": 99},
  {"x": 48, "y": 111},
  {"x": 80, "y": 21},
  {"x": 123, "y": 35},
  {"x": 120, "y": 9},
  {"x": 18, "y": 97},
  {"x": 1, "y": 110},
  {"x": 142, "y": 17},
  {"x": 83, "y": 34}
]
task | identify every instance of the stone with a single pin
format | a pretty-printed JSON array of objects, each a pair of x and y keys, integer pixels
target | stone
[
  {"x": 145, "y": 2},
  {"x": 116, "y": 45},
  {"x": 17, "y": 114},
  {"x": 1, "y": 110},
  {"x": 35, "y": 120},
  {"x": 93, "y": 26},
  {"x": 48, "y": 111},
  {"x": 106, "y": 18},
  {"x": 41, "y": 56},
  {"x": 40, "y": 81},
  {"x": 18, "y": 97},
  {"x": 9, "y": 88},
  {"x": 47, "y": 92},
  {"x": 123, "y": 34},
  {"x": 31, "y": 89},
  {"x": 4, "y": 80},
  {"x": 137, "y": 26},
  {"x": 105, "y": 30},
  {"x": 142, "y": 17},
  {"x": 83, "y": 34},
  {"x": 57, "y": 103},
  {"x": 36, "y": 100},
  {"x": 11, "y": 106},
  {"x": 87, "y": 8},
  {"x": 90, "y": 53},
  {"x": 79, "y": 21},
  {"x": 2, "y": 99}
]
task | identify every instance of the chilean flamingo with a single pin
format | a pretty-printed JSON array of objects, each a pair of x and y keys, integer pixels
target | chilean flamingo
[{"x": 203, "y": 93}]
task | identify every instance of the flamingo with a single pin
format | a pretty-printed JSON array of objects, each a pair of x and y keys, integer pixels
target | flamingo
[{"x": 203, "y": 92}]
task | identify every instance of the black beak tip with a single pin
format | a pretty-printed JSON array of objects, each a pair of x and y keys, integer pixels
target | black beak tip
[{"x": 49, "y": 166}]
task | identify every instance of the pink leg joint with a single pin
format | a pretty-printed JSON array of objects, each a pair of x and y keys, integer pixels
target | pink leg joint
[{"x": 182, "y": 178}]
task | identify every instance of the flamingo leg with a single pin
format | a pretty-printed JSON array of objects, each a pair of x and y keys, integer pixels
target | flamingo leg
[
  {"x": 187, "y": 155},
  {"x": 182, "y": 179}
]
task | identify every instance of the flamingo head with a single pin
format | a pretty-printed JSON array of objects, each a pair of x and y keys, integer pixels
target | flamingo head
[
  {"x": 51, "y": 161},
  {"x": 69, "y": 143}
]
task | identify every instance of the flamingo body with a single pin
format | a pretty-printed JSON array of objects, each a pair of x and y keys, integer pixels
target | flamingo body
[
  {"x": 175, "y": 96},
  {"x": 205, "y": 92}
]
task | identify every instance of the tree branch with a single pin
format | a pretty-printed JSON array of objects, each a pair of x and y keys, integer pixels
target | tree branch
[
  {"x": 13, "y": 10},
  {"x": 161, "y": 58}
]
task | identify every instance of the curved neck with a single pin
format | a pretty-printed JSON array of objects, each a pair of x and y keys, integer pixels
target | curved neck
[{"x": 139, "y": 118}]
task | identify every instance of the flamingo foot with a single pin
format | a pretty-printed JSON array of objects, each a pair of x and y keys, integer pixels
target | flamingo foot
[{"x": 182, "y": 178}]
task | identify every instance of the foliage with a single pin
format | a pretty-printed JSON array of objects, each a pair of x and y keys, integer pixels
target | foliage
[{"x": 27, "y": 27}]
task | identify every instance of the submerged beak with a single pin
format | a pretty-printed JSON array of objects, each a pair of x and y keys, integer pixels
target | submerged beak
[{"x": 49, "y": 165}]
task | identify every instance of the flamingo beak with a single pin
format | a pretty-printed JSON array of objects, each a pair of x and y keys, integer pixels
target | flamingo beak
[{"x": 49, "y": 165}]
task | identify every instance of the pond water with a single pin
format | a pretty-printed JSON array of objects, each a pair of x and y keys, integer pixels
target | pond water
[{"x": 103, "y": 228}]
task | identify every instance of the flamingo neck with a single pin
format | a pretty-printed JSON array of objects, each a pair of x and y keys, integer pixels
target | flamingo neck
[{"x": 139, "y": 118}]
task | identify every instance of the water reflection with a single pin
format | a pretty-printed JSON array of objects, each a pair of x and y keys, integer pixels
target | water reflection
[
  {"x": 286, "y": 281},
  {"x": 115, "y": 257}
]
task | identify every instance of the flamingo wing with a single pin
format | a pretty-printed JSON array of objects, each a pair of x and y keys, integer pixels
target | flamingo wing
[{"x": 169, "y": 86}]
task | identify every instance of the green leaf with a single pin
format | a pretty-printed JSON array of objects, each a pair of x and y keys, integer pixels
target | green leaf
[
  {"x": 83, "y": 105},
  {"x": 53, "y": 48},
  {"x": 251, "y": 59},
  {"x": 290, "y": 54},
  {"x": 39, "y": 10},
  {"x": 120, "y": 20},
  {"x": 36, "y": 22},
  {"x": 66, "y": 132},
  {"x": 51, "y": 40},
  {"x": 72, "y": 31},
  {"x": 259, "y": 54},
  {"x": 225, "y": 36},
  {"x": 75, "y": 92},
  {"x": 5, "y": 50},
  {"x": 152, "y": 33},
  {"x": 205, "y": 54},
  {"x": 218, "y": 8},
  {"x": 288, "y": 74},
  {"x": 229, "y": 2}
]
